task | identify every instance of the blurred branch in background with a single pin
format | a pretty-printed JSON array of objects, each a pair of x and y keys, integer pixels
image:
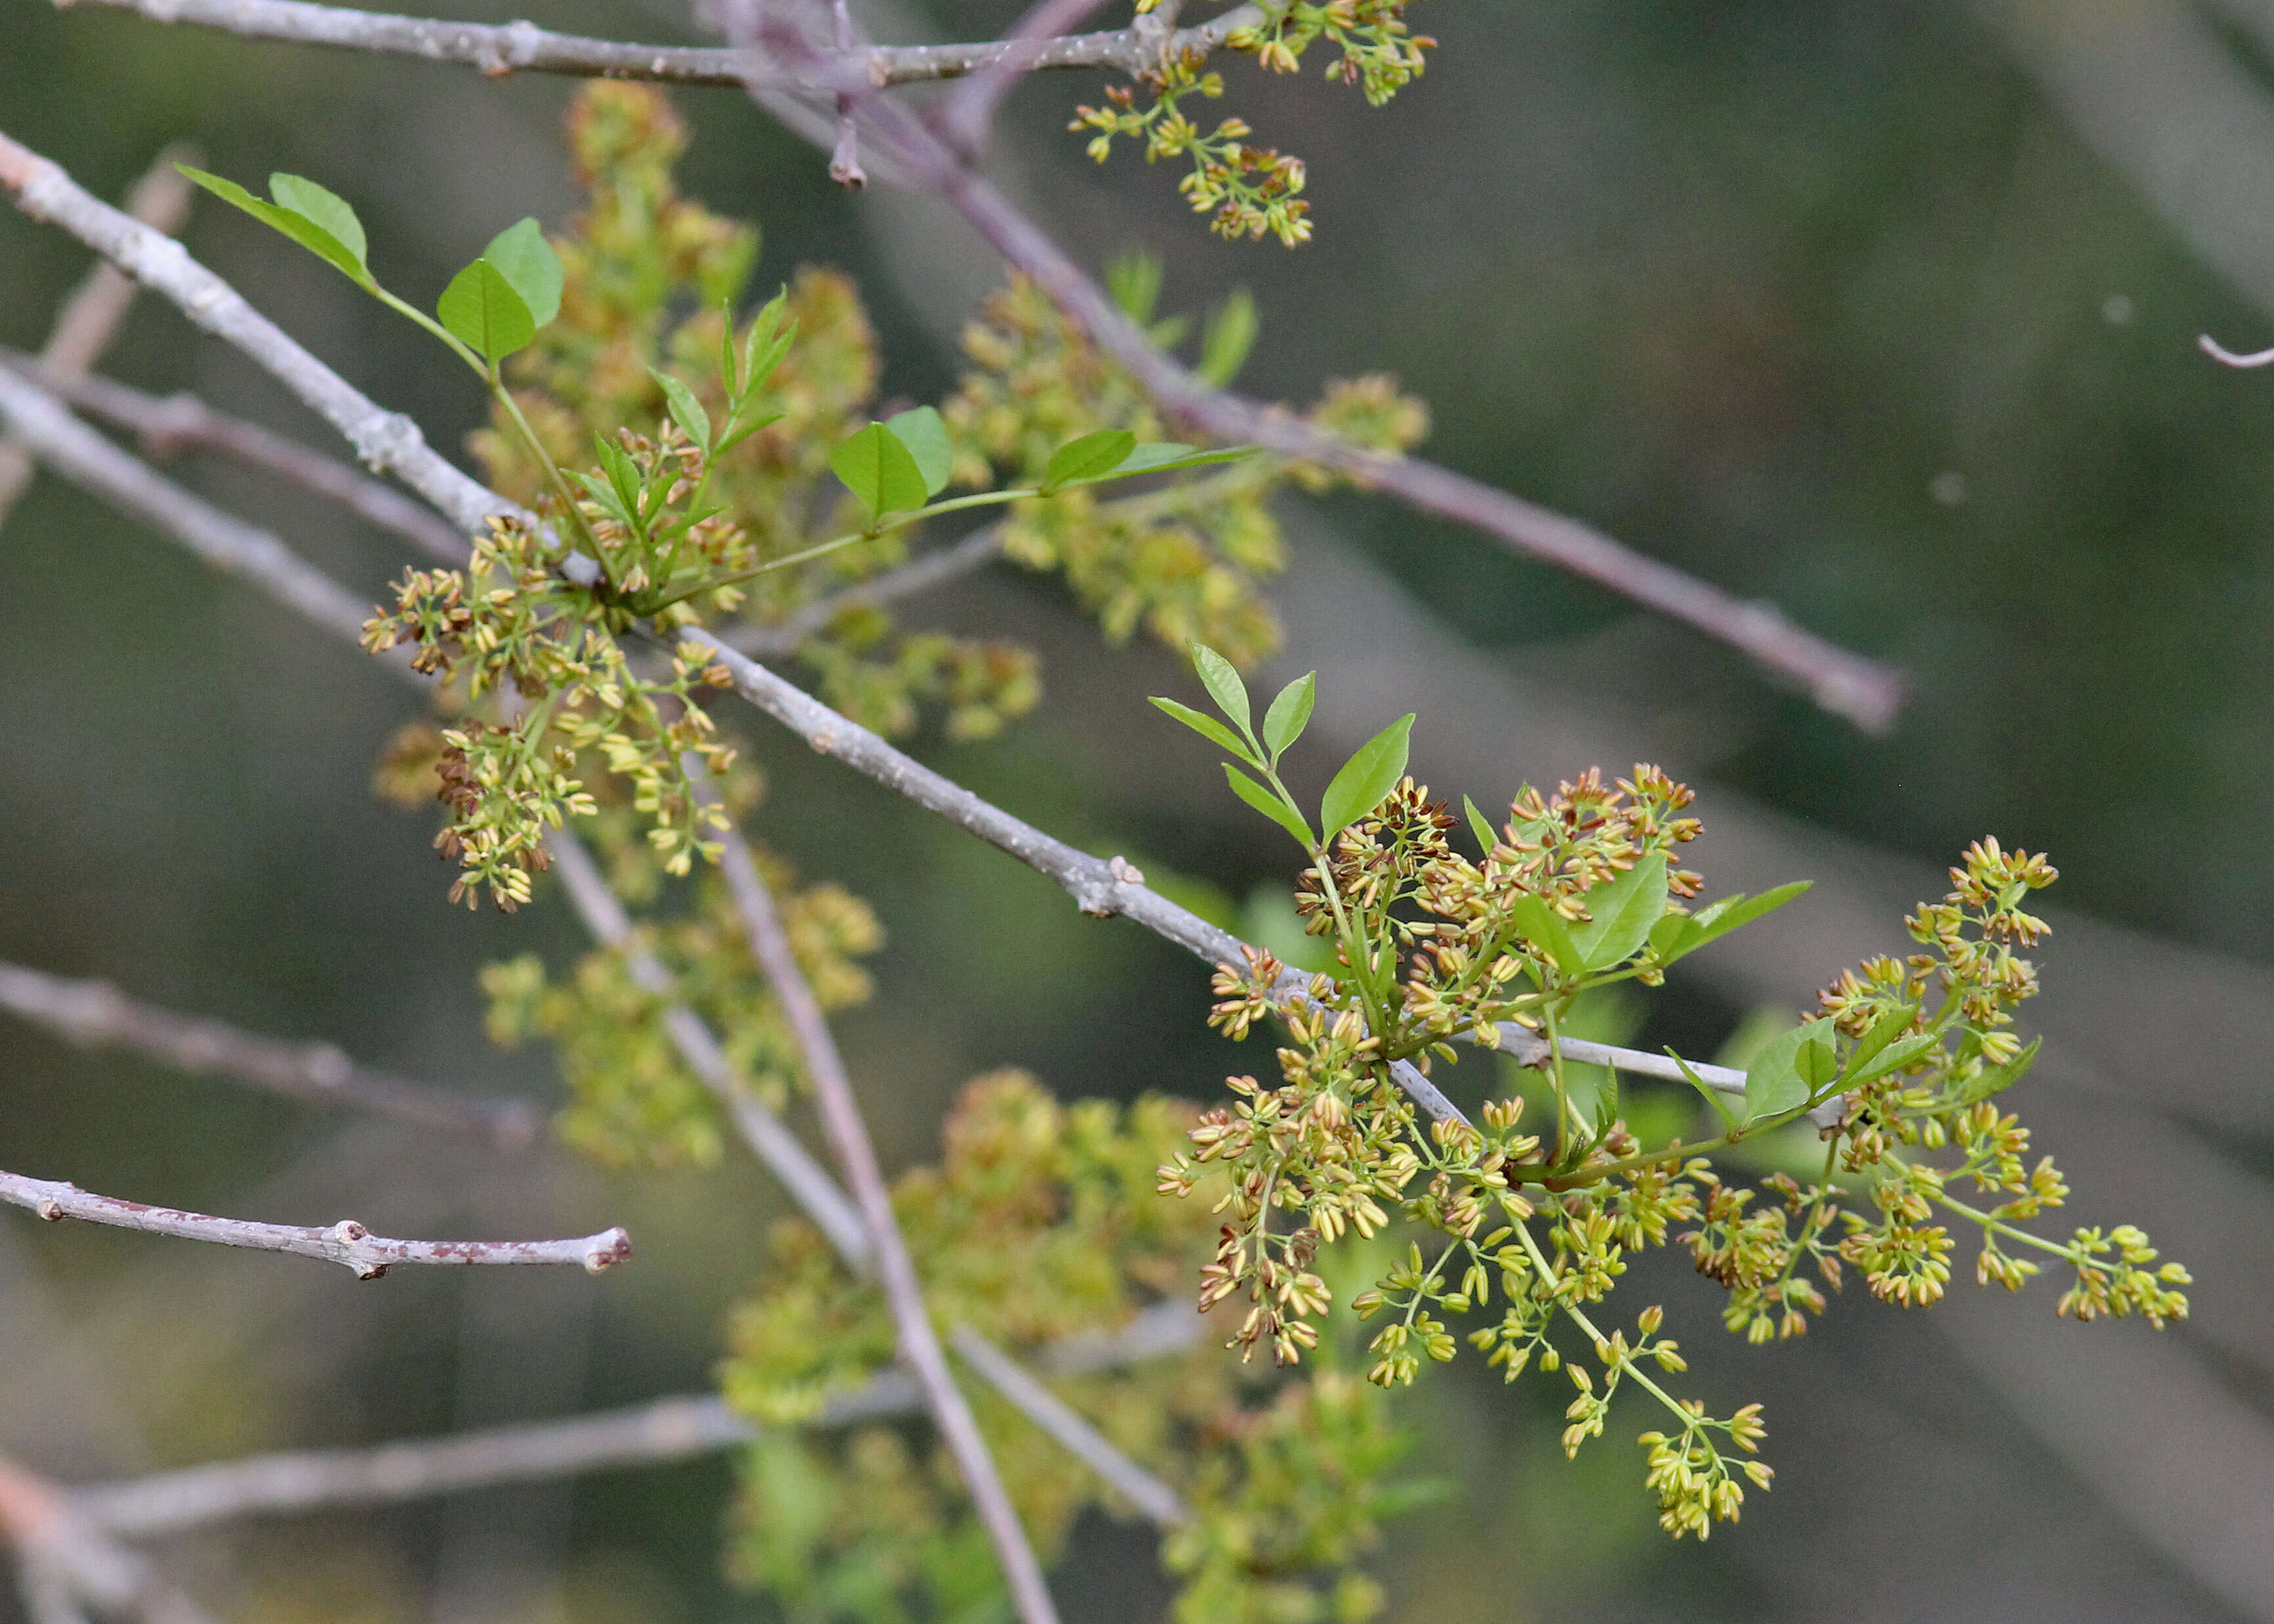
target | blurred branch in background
[
  {"x": 181, "y": 422},
  {"x": 96, "y": 1014},
  {"x": 91, "y": 316},
  {"x": 653, "y": 1433},
  {"x": 2154, "y": 90},
  {"x": 63, "y": 1556}
]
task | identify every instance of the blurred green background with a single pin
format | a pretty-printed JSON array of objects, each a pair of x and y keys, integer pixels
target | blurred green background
[{"x": 1885, "y": 314}]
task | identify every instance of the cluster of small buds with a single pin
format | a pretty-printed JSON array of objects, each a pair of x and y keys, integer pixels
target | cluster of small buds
[
  {"x": 1692, "y": 1477},
  {"x": 1378, "y": 52},
  {"x": 2113, "y": 1277}
]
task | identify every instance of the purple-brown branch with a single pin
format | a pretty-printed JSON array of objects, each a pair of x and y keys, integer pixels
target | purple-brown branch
[
  {"x": 346, "y": 1243},
  {"x": 95, "y": 1013}
]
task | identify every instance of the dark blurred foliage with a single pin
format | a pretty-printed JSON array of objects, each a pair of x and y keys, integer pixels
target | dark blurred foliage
[{"x": 1819, "y": 301}]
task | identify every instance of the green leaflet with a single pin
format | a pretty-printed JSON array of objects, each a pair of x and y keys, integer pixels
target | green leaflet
[
  {"x": 880, "y": 470},
  {"x": 1625, "y": 912},
  {"x": 1290, "y": 714},
  {"x": 482, "y": 312},
  {"x": 1366, "y": 778},
  {"x": 318, "y": 220},
  {"x": 527, "y": 262},
  {"x": 925, "y": 435}
]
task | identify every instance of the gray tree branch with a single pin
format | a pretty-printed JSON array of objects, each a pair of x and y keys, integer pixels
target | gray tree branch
[
  {"x": 66, "y": 1559},
  {"x": 522, "y": 47},
  {"x": 346, "y": 1243},
  {"x": 653, "y": 1433},
  {"x": 896, "y": 1271}
]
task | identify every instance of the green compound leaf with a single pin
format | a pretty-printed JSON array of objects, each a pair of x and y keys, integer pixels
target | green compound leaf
[
  {"x": 1092, "y": 456},
  {"x": 525, "y": 259},
  {"x": 880, "y": 470},
  {"x": 1790, "y": 1069},
  {"x": 1264, "y": 801},
  {"x": 1223, "y": 686},
  {"x": 685, "y": 410},
  {"x": 331, "y": 231},
  {"x": 1625, "y": 911},
  {"x": 1366, "y": 778},
  {"x": 1207, "y": 728},
  {"x": 1677, "y": 935},
  {"x": 1290, "y": 714},
  {"x": 482, "y": 312},
  {"x": 925, "y": 436}
]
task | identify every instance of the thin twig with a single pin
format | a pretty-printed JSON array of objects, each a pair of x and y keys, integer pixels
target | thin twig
[
  {"x": 845, "y": 157},
  {"x": 661, "y": 1431},
  {"x": 896, "y": 1272},
  {"x": 90, "y": 319},
  {"x": 521, "y": 47},
  {"x": 171, "y": 425},
  {"x": 92, "y": 1014},
  {"x": 920, "y": 575},
  {"x": 346, "y": 1243},
  {"x": 1071, "y": 1430},
  {"x": 59, "y": 1544},
  {"x": 808, "y": 1182},
  {"x": 966, "y": 115}
]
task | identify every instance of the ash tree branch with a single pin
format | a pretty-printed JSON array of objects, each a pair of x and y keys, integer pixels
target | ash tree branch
[
  {"x": 346, "y": 1243},
  {"x": 383, "y": 440},
  {"x": 169, "y": 425},
  {"x": 653, "y": 1433},
  {"x": 808, "y": 1182},
  {"x": 895, "y": 1269},
  {"x": 91, "y": 316},
  {"x": 1867, "y": 692},
  {"x": 521, "y": 47},
  {"x": 1071, "y": 1429},
  {"x": 229, "y": 545},
  {"x": 97, "y": 1014}
]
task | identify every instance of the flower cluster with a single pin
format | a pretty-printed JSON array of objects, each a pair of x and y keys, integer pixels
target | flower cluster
[
  {"x": 1528, "y": 1232},
  {"x": 1038, "y": 1229},
  {"x": 511, "y": 623},
  {"x": 1249, "y": 191}
]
